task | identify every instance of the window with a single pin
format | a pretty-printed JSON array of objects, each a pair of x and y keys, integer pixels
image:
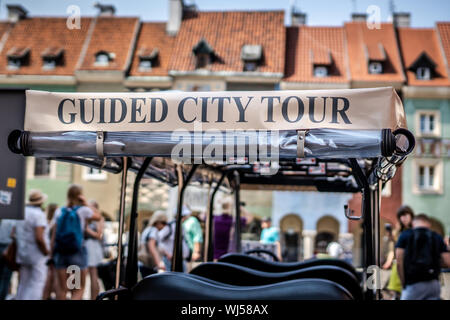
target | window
[
  {"x": 49, "y": 64},
  {"x": 250, "y": 66},
  {"x": 102, "y": 59},
  {"x": 423, "y": 73},
  {"x": 145, "y": 65},
  {"x": 14, "y": 64},
  {"x": 375, "y": 68},
  {"x": 320, "y": 71},
  {"x": 93, "y": 174},
  {"x": 428, "y": 123},
  {"x": 41, "y": 167},
  {"x": 428, "y": 176},
  {"x": 203, "y": 60}
]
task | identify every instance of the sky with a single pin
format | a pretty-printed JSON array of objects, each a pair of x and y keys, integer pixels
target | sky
[{"x": 424, "y": 13}]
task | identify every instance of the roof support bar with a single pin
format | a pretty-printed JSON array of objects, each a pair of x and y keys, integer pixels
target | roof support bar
[
  {"x": 237, "y": 203},
  {"x": 370, "y": 199},
  {"x": 132, "y": 258},
  {"x": 209, "y": 246},
  {"x": 123, "y": 190},
  {"x": 177, "y": 259}
]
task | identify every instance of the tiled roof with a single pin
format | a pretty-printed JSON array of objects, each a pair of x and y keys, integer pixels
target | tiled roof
[
  {"x": 363, "y": 43},
  {"x": 114, "y": 35},
  {"x": 4, "y": 27},
  {"x": 153, "y": 36},
  {"x": 38, "y": 34},
  {"x": 444, "y": 33},
  {"x": 413, "y": 43},
  {"x": 309, "y": 45},
  {"x": 227, "y": 32}
]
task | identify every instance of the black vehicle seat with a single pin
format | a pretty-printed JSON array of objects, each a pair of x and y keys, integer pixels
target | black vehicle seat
[
  {"x": 242, "y": 276},
  {"x": 181, "y": 286},
  {"x": 256, "y": 263}
]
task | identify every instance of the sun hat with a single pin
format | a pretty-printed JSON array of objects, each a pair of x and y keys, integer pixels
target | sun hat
[
  {"x": 36, "y": 197},
  {"x": 158, "y": 216}
]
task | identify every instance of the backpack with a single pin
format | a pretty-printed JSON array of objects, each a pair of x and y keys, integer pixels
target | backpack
[
  {"x": 69, "y": 236},
  {"x": 143, "y": 255},
  {"x": 421, "y": 257}
]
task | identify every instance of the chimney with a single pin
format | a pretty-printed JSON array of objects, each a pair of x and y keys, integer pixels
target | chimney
[
  {"x": 105, "y": 10},
  {"x": 359, "y": 17},
  {"x": 402, "y": 19},
  {"x": 298, "y": 18},
  {"x": 175, "y": 16},
  {"x": 16, "y": 12}
]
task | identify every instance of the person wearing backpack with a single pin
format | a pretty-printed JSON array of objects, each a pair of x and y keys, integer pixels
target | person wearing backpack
[
  {"x": 68, "y": 249},
  {"x": 420, "y": 254}
]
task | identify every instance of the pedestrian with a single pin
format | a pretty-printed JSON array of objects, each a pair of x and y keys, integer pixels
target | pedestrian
[
  {"x": 149, "y": 252},
  {"x": 222, "y": 228},
  {"x": 32, "y": 249},
  {"x": 193, "y": 233},
  {"x": 6, "y": 228},
  {"x": 405, "y": 215},
  {"x": 166, "y": 242},
  {"x": 51, "y": 285},
  {"x": 67, "y": 243},
  {"x": 420, "y": 252},
  {"x": 93, "y": 236},
  {"x": 269, "y": 234}
]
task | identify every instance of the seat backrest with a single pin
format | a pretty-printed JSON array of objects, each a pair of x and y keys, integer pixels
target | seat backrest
[
  {"x": 271, "y": 266},
  {"x": 180, "y": 286},
  {"x": 243, "y": 276}
]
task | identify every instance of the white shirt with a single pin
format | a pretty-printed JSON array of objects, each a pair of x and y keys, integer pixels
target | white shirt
[{"x": 28, "y": 251}]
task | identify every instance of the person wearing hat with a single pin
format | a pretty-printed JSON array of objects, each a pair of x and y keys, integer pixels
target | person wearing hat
[
  {"x": 149, "y": 251},
  {"x": 32, "y": 248}
]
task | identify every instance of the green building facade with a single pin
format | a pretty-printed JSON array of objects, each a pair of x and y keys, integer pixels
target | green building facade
[{"x": 426, "y": 175}]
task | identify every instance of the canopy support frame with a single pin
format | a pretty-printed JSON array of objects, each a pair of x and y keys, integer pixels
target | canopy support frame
[
  {"x": 177, "y": 258},
  {"x": 123, "y": 188},
  {"x": 132, "y": 258},
  {"x": 237, "y": 203}
]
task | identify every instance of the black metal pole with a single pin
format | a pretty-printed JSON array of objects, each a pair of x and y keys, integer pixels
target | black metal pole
[
  {"x": 368, "y": 220},
  {"x": 209, "y": 244},
  {"x": 132, "y": 258},
  {"x": 237, "y": 203},
  {"x": 121, "y": 221},
  {"x": 177, "y": 258}
]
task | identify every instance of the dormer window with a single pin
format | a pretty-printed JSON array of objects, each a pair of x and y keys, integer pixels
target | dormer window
[
  {"x": 423, "y": 67},
  {"x": 376, "y": 58},
  {"x": 320, "y": 71},
  {"x": 322, "y": 62},
  {"x": 204, "y": 54},
  {"x": 251, "y": 55},
  {"x": 375, "y": 67},
  {"x": 148, "y": 58},
  {"x": 423, "y": 73},
  {"x": 17, "y": 57},
  {"x": 51, "y": 57},
  {"x": 102, "y": 58}
]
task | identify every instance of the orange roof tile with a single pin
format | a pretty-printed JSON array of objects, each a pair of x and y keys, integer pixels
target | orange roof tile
[
  {"x": 413, "y": 42},
  {"x": 114, "y": 35},
  {"x": 38, "y": 34},
  {"x": 444, "y": 33},
  {"x": 4, "y": 26},
  {"x": 363, "y": 43},
  {"x": 153, "y": 36},
  {"x": 227, "y": 32},
  {"x": 324, "y": 43}
]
